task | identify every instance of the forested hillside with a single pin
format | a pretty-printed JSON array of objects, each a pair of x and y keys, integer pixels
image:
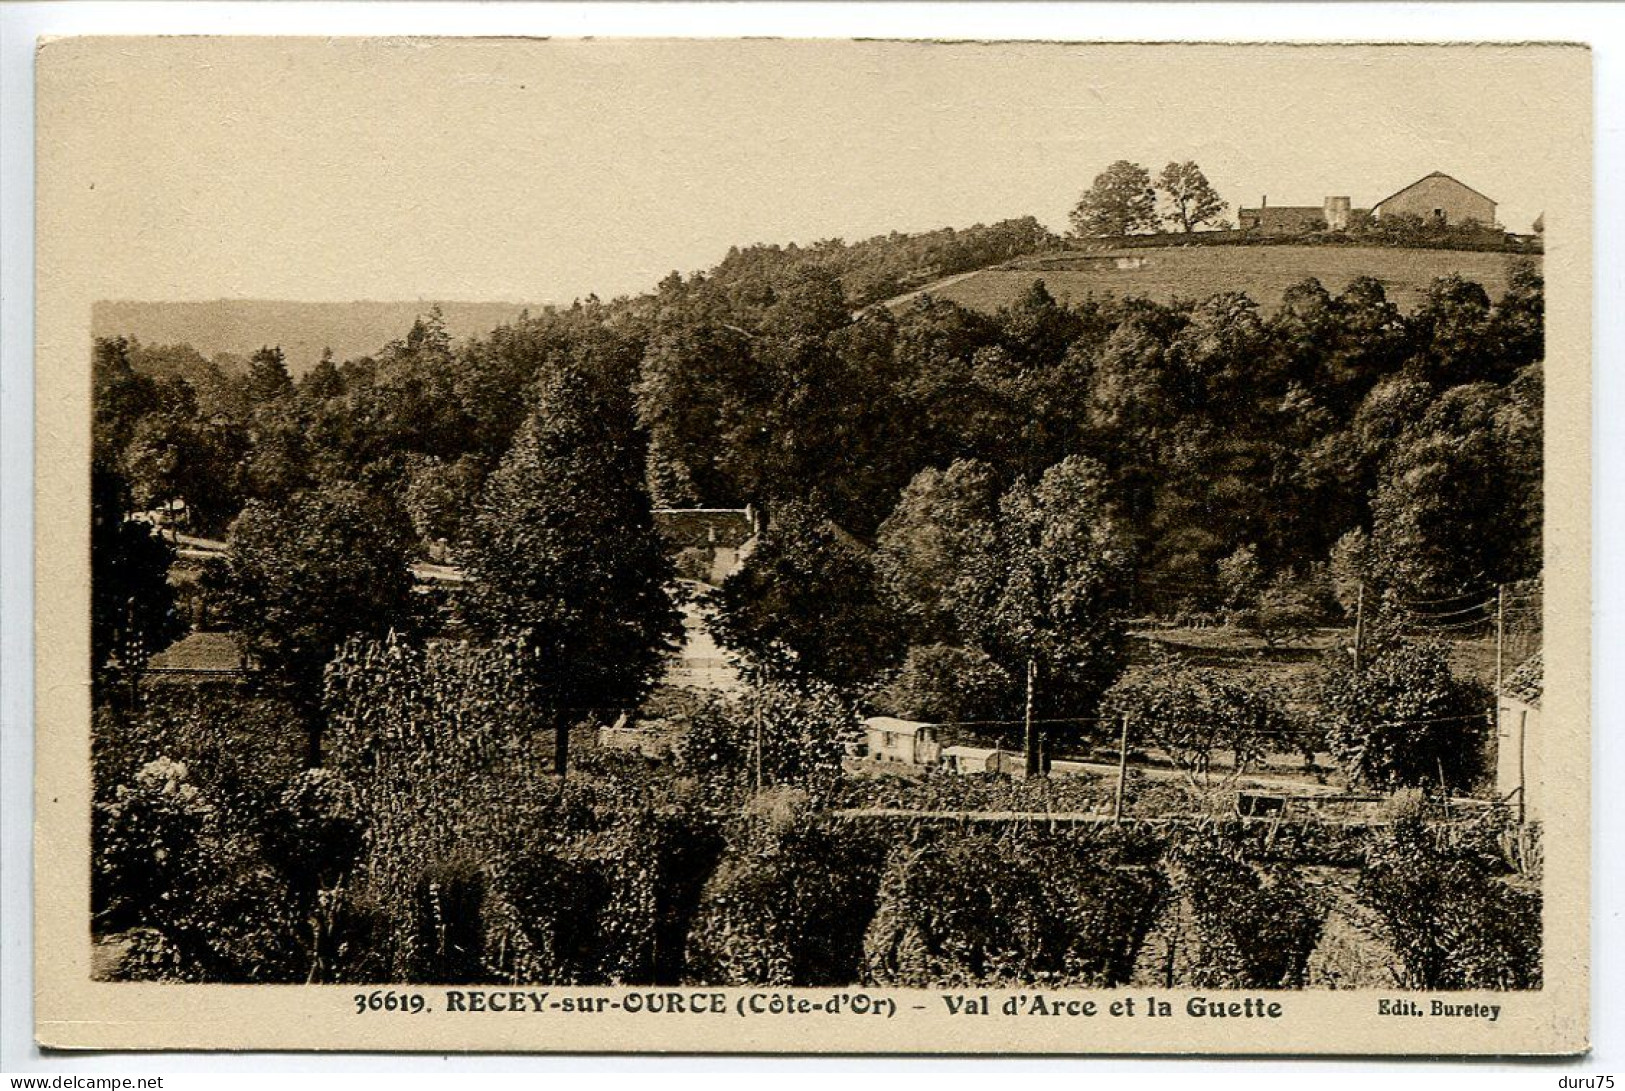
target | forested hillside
[
  {"x": 1215, "y": 428},
  {"x": 961, "y": 514}
]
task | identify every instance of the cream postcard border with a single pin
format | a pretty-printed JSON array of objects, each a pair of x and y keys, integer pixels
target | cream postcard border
[{"x": 71, "y": 1011}]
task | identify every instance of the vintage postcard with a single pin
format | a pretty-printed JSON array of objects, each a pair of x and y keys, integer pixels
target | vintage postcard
[{"x": 792, "y": 546}]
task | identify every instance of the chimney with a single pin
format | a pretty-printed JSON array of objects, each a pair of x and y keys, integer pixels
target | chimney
[{"x": 1264, "y": 202}]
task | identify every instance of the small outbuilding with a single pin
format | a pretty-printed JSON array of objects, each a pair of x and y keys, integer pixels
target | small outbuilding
[
  {"x": 965, "y": 760},
  {"x": 1332, "y": 214},
  {"x": 908, "y": 742}
]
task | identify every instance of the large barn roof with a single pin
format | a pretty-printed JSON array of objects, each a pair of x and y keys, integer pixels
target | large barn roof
[{"x": 1424, "y": 178}]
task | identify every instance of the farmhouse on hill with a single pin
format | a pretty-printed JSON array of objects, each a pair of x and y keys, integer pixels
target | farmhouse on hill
[{"x": 1436, "y": 199}]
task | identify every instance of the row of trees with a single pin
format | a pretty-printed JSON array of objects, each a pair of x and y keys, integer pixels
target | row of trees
[{"x": 1122, "y": 200}]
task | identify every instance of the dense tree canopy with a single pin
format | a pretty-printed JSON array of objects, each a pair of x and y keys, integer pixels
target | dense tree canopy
[
  {"x": 132, "y": 606},
  {"x": 764, "y": 382},
  {"x": 1208, "y": 425}
]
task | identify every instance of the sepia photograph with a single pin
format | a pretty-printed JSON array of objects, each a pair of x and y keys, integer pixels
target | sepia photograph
[{"x": 906, "y": 546}]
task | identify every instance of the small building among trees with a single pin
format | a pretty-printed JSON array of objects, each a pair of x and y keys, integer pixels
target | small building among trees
[
  {"x": 966, "y": 760},
  {"x": 708, "y": 544}
]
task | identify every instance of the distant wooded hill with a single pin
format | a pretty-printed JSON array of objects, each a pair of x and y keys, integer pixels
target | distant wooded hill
[
  {"x": 239, "y": 326},
  {"x": 869, "y": 270}
]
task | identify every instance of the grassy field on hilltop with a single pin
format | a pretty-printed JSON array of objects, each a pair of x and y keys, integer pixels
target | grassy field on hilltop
[{"x": 1195, "y": 272}]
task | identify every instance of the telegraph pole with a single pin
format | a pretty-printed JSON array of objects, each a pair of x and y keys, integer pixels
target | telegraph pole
[
  {"x": 1122, "y": 768},
  {"x": 1495, "y": 716},
  {"x": 1359, "y": 624},
  {"x": 1034, "y": 764},
  {"x": 756, "y": 723},
  {"x": 1500, "y": 634}
]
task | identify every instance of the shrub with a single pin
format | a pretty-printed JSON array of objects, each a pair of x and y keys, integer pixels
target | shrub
[
  {"x": 799, "y": 732},
  {"x": 151, "y": 842},
  {"x": 316, "y": 831},
  {"x": 788, "y": 905},
  {"x": 1192, "y": 714},
  {"x": 442, "y": 941},
  {"x": 205, "y": 906},
  {"x": 237, "y": 746},
  {"x": 1456, "y": 922},
  {"x": 1403, "y": 719},
  {"x": 977, "y": 792},
  {"x": 1016, "y": 908},
  {"x": 1250, "y": 927}
]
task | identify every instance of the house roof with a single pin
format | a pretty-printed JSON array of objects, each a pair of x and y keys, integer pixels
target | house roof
[
  {"x": 699, "y": 527},
  {"x": 1424, "y": 178},
  {"x": 1288, "y": 217},
  {"x": 1295, "y": 210},
  {"x": 1526, "y": 683},
  {"x": 892, "y": 723},
  {"x": 200, "y": 651}
]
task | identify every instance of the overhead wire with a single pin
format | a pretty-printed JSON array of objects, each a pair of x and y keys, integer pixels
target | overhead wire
[{"x": 1451, "y": 613}]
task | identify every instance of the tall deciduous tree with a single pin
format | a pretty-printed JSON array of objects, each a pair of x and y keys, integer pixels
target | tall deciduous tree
[
  {"x": 1120, "y": 201},
  {"x": 943, "y": 520},
  {"x": 1450, "y": 512},
  {"x": 807, "y": 605},
  {"x": 942, "y": 683},
  {"x": 562, "y": 548},
  {"x": 304, "y": 575},
  {"x": 1192, "y": 200},
  {"x": 1052, "y": 592}
]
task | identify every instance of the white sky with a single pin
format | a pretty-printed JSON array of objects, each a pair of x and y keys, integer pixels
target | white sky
[{"x": 542, "y": 171}]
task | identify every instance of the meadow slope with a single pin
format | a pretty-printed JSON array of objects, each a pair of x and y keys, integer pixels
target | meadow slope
[{"x": 1195, "y": 272}]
